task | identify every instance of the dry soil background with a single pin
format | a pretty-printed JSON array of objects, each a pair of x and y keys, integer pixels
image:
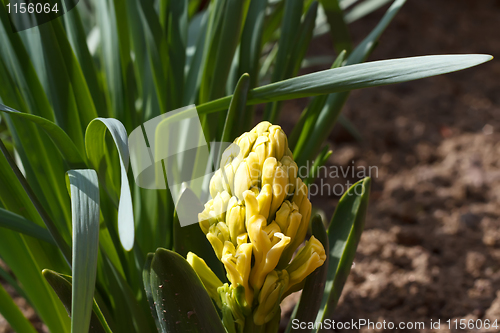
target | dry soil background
[{"x": 431, "y": 249}]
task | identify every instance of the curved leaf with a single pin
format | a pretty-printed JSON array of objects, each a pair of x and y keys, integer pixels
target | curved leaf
[
  {"x": 20, "y": 224},
  {"x": 182, "y": 303},
  {"x": 85, "y": 215},
  {"x": 344, "y": 234},
  {"x": 62, "y": 285},
  {"x": 62, "y": 141},
  {"x": 14, "y": 316},
  {"x": 95, "y": 146}
]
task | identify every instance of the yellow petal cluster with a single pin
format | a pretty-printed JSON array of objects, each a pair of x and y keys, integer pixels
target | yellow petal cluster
[{"x": 257, "y": 218}]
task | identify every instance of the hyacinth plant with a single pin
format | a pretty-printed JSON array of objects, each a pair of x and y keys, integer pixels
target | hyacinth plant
[{"x": 79, "y": 236}]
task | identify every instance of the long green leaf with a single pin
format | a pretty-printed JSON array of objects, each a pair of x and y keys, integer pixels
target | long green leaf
[
  {"x": 370, "y": 74},
  {"x": 146, "y": 278},
  {"x": 309, "y": 303},
  {"x": 298, "y": 52},
  {"x": 338, "y": 27},
  {"x": 22, "y": 69},
  {"x": 289, "y": 27},
  {"x": 85, "y": 213},
  {"x": 78, "y": 40},
  {"x": 344, "y": 234},
  {"x": 20, "y": 224},
  {"x": 34, "y": 200},
  {"x": 182, "y": 303},
  {"x": 14, "y": 316},
  {"x": 20, "y": 259},
  {"x": 236, "y": 110},
  {"x": 61, "y": 140},
  {"x": 363, "y": 9},
  {"x": 63, "y": 286},
  {"x": 331, "y": 111},
  {"x": 95, "y": 146}
]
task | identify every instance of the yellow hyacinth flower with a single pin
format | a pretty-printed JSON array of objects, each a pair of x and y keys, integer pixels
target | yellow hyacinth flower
[
  {"x": 270, "y": 296},
  {"x": 309, "y": 257},
  {"x": 256, "y": 220}
]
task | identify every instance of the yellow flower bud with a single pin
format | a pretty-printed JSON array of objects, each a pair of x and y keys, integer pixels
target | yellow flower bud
[
  {"x": 268, "y": 171},
  {"x": 261, "y": 128},
  {"x": 280, "y": 182},
  {"x": 246, "y": 142},
  {"x": 270, "y": 296},
  {"x": 210, "y": 281},
  {"x": 238, "y": 263},
  {"x": 268, "y": 244},
  {"x": 264, "y": 199},
  {"x": 220, "y": 205},
  {"x": 292, "y": 170},
  {"x": 247, "y": 175},
  {"x": 207, "y": 217},
  {"x": 279, "y": 142},
  {"x": 288, "y": 218},
  {"x": 309, "y": 257},
  {"x": 217, "y": 235},
  {"x": 235, "y": 219},
  {"x": 216, "y": 183}
]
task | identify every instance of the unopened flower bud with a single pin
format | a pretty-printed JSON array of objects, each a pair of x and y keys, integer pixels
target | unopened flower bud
[
  {"x": 217, "y": 235},
  {"x": 210, "y": 281},
  {"x": 309, "y": 257},
  {"x": 238, "y": 263},
  {"x": 270, "y": 297},
  {"x": 235, "y": 219},
  {"x": 268, "y": 245}
]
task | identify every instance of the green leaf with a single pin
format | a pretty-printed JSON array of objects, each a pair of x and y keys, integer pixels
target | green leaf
[
  {"x": 338, "y": 27},
  {"x": 290, "y": 26},
  {"x": 111, "y": 57},
  {"x": 363, "y": 9},
  {"x": 334, "y": 103},
  {"x": 176, "y": 30},
  {"x": 304, "y": 128},
  {"x": 13, "y": 283},
  {"x": 182, "y": 303},
  {"x": 61, "y": 140},
  {"x": 96, "y": 151},
  {"x": 309, "y": 302},
  {"x": 236, "y": 110},
  {"x": 146, "y": 278},
  {"x": 318, "y": 163},
  {"x": 62, "y": 285},
  {"x": 78, "y": 40},
  {"x": 14, "y": 316},
  {"x": 344, "y": 234},
  {"x": 20, "y": 224},
  {"x": 85, "y": 214},
  {"x": 22, "y": 69},
  {"x": 370, "y": 74},
  {"x": 299, "y": 50},
  {"x": 23, "y": 185}
]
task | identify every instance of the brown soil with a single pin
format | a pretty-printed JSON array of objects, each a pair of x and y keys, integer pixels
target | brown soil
[{"x": 431, "y": 247}]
